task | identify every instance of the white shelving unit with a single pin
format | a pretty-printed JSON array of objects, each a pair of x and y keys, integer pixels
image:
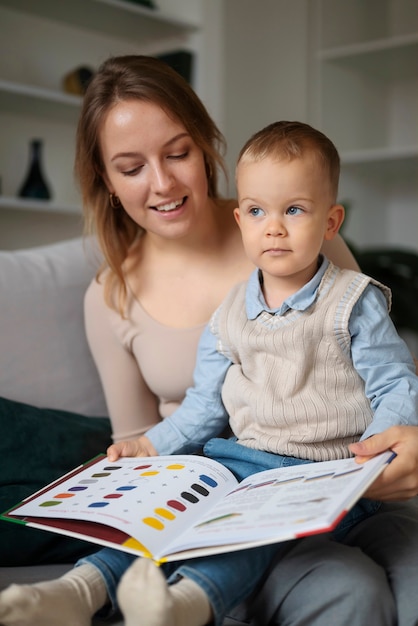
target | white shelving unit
[
  {"x": 116, "y": 18},
  {"x": 40, "y": 42},
  {"x": 365, "y": 97}
]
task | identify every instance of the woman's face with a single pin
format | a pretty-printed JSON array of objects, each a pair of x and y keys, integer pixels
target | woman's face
[{"x": 155, "y": 168}]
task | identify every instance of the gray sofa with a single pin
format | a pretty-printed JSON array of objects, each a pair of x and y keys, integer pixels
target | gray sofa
[
  {"x": 44, "y": 358},
  {"x": 45, "y": 362}
]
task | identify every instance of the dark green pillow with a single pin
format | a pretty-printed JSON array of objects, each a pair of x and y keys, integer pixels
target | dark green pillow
[{"x": 36, "y": 447}]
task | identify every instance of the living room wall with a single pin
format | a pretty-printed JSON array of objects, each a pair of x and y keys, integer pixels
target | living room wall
[{"x": 266, "y": 67}]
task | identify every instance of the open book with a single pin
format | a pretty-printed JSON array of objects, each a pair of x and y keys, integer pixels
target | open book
[{"x": 175, "y": 507}]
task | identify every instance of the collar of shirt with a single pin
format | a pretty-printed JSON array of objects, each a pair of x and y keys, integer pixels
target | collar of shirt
[{"x": 301, "y": 300}]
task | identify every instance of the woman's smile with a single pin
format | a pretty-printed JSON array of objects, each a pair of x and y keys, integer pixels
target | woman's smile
[{"x": 170, "y": 206}]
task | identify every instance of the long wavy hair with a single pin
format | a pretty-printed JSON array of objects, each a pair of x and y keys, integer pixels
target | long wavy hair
[{"x": 151, "y": 80}]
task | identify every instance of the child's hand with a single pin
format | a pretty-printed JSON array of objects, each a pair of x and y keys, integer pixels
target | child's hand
[
  {"x": 141, "y": 446},
  {"x": 399, "y": 481}
]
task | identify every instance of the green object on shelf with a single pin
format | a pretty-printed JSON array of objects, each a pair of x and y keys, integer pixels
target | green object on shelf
[{"x": 181, "y": 61}]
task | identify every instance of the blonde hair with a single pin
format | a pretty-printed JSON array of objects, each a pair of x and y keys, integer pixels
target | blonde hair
[
  {"x": 292, "y": 140},
  {"x": 147, "y": 79}
]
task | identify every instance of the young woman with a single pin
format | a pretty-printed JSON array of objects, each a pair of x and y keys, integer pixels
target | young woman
[{"x": 148, "y": 158}]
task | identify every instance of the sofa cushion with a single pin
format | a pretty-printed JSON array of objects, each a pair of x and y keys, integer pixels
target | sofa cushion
[
  {"x": 44, "y": 356},
  {"x": 37, "y": 446}
]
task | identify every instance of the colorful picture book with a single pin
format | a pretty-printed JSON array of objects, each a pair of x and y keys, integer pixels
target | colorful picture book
[{"x": 175, "y": 507}]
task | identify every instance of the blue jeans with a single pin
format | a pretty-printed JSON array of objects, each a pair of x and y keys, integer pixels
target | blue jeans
[{"x": 227, "y": 579}]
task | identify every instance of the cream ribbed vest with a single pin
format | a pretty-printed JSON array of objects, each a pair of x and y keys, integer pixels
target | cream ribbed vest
[{"x": 292, "y": 388}]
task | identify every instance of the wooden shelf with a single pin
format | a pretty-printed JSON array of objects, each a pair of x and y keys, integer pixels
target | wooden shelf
[
  {"x": 394, "y": 58},
  {"x": 19, "y": 98},
  {"x": 117, "y": 18},
  {"x": 47, "y": 206},
  {"x": 385, "y": 163},
  {"x": 387, "y": 155}
]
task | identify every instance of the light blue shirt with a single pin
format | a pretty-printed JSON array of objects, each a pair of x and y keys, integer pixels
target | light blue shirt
[{"x": 379, "y": 355}]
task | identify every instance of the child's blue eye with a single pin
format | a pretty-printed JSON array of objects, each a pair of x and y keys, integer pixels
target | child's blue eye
[
  {"x": 256, "y": 211},
  {"x": 294, "y": 210}
]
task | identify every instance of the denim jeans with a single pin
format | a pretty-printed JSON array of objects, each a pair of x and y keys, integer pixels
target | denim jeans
[{"x": 227, "y": 579}]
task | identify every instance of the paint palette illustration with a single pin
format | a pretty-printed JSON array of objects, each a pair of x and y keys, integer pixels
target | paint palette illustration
[{"x": 141, "y": 499}]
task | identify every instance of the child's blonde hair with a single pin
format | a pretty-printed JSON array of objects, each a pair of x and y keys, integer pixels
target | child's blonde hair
[{"x": 292, "y": 140}]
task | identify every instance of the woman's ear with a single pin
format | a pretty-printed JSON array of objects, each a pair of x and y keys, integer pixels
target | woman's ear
[{"x": 334, "y": 221}]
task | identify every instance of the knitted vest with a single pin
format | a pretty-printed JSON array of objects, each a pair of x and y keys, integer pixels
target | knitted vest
[{"x": 292, "y": 388}]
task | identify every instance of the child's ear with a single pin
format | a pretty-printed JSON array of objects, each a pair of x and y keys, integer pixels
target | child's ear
[
  {"x": 237, "y": 215},
  {"x": 335, "y": 219}
]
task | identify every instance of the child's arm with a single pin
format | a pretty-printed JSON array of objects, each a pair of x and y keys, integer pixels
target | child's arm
[
  {"x": 202, "y": 414},
  {"x": 384, "y": 362}
]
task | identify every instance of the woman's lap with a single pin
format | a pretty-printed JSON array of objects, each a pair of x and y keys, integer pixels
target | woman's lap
[
  {"x": 320, "y": 582},
  {"x": 371, "y": 578},
  {"x": 390, "y": 539}
]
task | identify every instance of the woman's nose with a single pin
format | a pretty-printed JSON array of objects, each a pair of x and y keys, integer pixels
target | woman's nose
[{"x": 161, "y": 178}]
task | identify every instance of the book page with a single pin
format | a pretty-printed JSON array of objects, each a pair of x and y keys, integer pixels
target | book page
[
  {"x": 152, "y": 500},
  {"x": 280, "y": 504}
]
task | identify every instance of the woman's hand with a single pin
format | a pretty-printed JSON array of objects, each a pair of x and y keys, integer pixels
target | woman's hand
[
  {"x": 141, "y": 446},
  {"x": 399, "y": 481}
]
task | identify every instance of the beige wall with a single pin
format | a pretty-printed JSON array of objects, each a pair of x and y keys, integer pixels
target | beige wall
[{"x": 266, "y": 66}]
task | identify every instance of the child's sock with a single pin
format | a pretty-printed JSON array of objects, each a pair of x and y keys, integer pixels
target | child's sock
[
  {"x": 145, "y": 598},
  {"x": 72, "y": 599}
]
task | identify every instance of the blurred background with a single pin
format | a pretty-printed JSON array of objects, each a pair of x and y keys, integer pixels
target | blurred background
[{"x": 348, "y": 68}]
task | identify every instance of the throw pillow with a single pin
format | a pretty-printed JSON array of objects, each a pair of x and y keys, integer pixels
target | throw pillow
[{"x": 38, "y": 446}]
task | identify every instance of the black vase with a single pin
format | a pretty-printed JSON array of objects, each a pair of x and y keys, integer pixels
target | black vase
[{"x": 34, "y": 185}]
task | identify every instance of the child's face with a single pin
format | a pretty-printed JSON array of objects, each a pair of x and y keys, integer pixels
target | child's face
[{"x": 286, "y": 211}]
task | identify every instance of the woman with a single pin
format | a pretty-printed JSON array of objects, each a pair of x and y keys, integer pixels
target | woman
[{"x": 148, "y": 157}]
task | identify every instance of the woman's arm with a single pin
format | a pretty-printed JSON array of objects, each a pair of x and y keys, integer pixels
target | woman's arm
[
  {"x": 339, "y": 253},
  {"x": 200, "y": 416},
  {"x": 131, "y": 405}
]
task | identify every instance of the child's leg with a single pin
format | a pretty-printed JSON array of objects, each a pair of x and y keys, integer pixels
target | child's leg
[
  {"x": 198, "y": 590},
  {"x": 72, "y": 599},
  {"x": 145, "y": 598},
  {"x": 75, "y": 597},
  {"x": 244, "y": 461}
]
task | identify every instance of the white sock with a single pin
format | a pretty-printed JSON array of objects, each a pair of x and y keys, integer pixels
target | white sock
[
  {"x": 145, "y": 598},
  {"x": 72, "y": 599}
]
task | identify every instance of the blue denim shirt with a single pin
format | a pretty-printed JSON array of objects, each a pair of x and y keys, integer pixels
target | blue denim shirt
[{"x": 379, "y": 355}]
